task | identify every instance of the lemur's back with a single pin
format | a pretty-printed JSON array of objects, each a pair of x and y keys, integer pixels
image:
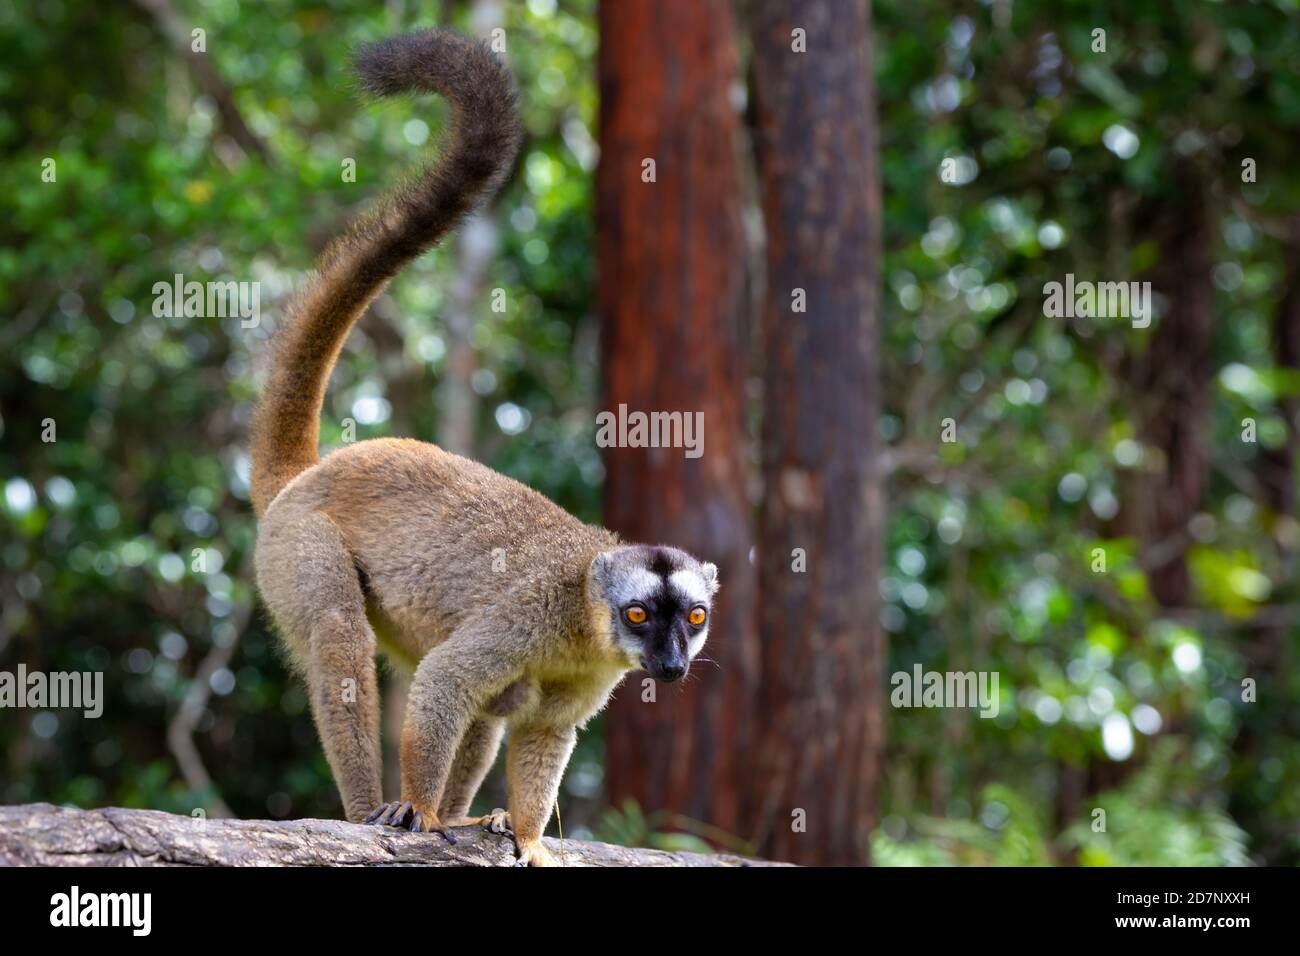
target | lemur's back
[{"x": 433, "y": 533}]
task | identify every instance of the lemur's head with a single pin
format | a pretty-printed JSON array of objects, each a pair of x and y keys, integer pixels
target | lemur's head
[{"x": 660, "y": 600}]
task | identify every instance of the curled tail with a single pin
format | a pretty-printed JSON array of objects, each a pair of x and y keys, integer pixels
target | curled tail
[{"x": 477, "y": 155}]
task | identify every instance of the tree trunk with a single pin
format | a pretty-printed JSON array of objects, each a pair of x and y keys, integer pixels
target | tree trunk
[
  {"x": 1173, "y": 387},
  {"x": 817, "y": 758},
  {"x": 672, "y": 299},
  {"x": 1171, "y": 391},
  {"x": 39, "y": 834}
]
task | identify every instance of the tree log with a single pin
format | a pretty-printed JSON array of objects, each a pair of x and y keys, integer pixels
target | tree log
[{"x": 40, "y": 834}]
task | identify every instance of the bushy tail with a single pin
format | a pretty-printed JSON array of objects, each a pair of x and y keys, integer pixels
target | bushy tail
[{"x": 477, "y": 155}]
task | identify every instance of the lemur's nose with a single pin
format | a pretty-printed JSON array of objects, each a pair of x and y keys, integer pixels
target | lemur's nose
[{"x": 671, "y": 672}]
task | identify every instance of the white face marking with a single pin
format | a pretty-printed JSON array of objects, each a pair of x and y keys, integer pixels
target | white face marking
[
  {"x": 631, "y": 649},
  {"x": 690, "y": 585},
  {"x": 627, "y": 581},
  {"x": 633, "y": 584}
]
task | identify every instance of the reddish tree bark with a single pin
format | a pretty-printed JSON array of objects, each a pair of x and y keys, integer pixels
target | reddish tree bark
[
  {"x": 821, "y": 730},
  {"x": 672, "y": 302}
]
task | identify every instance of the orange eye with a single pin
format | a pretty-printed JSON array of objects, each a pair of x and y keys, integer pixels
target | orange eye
[
  {"x": 697, "y": 616},
  {"x": 635, "y": 615}
]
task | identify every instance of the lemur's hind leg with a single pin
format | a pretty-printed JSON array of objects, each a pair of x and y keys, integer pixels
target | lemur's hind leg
[
  {"x": 311, "y": 583},
  {"x": 473, "y": 760}
]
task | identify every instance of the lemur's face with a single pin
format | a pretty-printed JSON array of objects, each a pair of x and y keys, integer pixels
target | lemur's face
[{"x": 660, "y": 600}]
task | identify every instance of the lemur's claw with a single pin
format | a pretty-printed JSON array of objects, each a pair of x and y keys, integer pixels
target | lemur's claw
[
  {"x": 404, "y": 816},
  {"x": 390, "y": 814}
]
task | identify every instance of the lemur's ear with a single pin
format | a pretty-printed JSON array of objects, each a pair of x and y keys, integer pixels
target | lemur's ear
[{"x": 710, "y": 572}]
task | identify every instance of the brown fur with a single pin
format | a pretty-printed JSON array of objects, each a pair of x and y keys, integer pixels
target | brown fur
[
  {"x": 397, "y": 543},
  {"x": 356, "y": 268}
]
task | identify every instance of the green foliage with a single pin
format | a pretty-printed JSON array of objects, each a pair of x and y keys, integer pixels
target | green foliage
[
  {"x": 1149, "y": 821},
  {"x": 990, "y": 539},
  {"x": 1007, "y": 834},
  {"x": 631, "y": 826},
  {"x": 1158, "y": 819}
]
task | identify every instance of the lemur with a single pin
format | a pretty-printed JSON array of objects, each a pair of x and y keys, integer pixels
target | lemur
[{"x": 397, "y": 545}]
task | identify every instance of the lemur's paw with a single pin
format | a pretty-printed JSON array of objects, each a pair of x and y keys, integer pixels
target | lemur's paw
[
  {"x": 385, "y": 814},
  {"x": 534, "y": 854},
  {"x": 404, "y": 816}
]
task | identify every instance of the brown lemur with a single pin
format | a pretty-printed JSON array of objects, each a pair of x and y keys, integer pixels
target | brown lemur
[{"x": 512, "y": 612}]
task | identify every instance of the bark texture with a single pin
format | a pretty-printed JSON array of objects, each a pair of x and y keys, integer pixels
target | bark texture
[
  {"x": 673, "y": 304},
  {"x": 39, "y": 834},
  {"x": 816, "y": 763}
]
